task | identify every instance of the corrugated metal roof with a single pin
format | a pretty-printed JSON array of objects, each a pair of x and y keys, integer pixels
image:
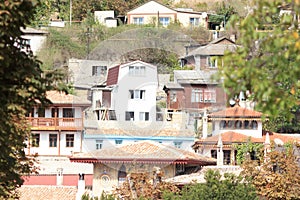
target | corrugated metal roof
[
  {"x": 194, "y": 76},
  {"x": 57, "y": 97}
]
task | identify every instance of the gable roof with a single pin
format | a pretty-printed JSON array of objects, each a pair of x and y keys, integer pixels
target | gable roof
[
  {"x": 194, "y": 76},
  {"x": 142, "y": 152},
  {"x": 215, "y": 48},
  {"x": 152, "y": 4},
  {"x": 236, "y": 112}
]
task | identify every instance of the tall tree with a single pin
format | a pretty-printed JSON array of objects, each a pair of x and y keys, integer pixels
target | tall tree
[
  {"x": 21, "y": 87},
  {"x": 267, "y": 64}
]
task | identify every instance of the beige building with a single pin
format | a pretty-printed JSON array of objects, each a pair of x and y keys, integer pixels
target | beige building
[
  {"x": 153, "y": 12},
  {"x": 111, "y": 165}
]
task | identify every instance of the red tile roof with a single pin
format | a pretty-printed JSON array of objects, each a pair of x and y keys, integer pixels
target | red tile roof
[
  {"x": 234, "y": 137},
  {"x": 236, "y": 112},
  {"x": 35, "y": 192},
  {"x": 144, "y": 152},
  {"x": 113, "y": 75}
]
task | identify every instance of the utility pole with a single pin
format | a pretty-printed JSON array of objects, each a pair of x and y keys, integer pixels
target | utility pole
[{"x": 70, "y": 12}]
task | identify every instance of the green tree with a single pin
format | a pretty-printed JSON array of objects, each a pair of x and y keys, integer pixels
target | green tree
[
  {"x": 231, "y": 187},
  {"x": 21, "y": 87},
  {"x": 267, "y": 62},
  {"x": 278, "y": 177}
]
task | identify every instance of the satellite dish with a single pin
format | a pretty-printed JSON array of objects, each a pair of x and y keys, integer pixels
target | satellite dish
[
  {"x": 278, "y": 141},
  {"x": 204, "y": 15}
]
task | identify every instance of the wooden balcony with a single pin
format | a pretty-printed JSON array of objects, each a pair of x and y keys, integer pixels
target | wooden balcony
[{"x": 64, "y": 124}]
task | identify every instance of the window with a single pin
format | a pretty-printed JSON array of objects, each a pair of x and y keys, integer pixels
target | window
[
  {"x": 178, "y": 144},
  {"x": 99, "y": 144},
  {"x": 70, "y": 140},
  {"x": 165, "y": 21},
  {"x": 173, "y": 96},
  {"x": 144, "y": 116},
  {"x": 254, "y": 124},
  {"x": 197, "y": 95},
  {"x": 138, "y": 20},
  {"x": 246, "y": 124},
  {"x": 210, "y": 95},
  {"x": 68, "y": 112},
  {"x": 129, "y": 116},
  {"x": 179, "y": 168},
  {"x": 30, "y": 113},
  {"x": 212, "y": 62},
  {"x": 238, "y": 124},
  {"x": 213, "y": 153},
  {"x": 230, "y": 124},
  {"x": 137, "y": 94},
  {"x": 118, "y": 141},
  {"x": 227, "y": 159},
  {"x": 137, "y": 70},
  {"x": 222, "y": 124},
  {"x": 194, "y": 21},
  {"x": 99, "y": 70},
  {"x": 53, "y": 140},
  {"x": 41, "y": 112},
  {"x": 54, "y": 112},
  {"x": 35, "y": 139}
]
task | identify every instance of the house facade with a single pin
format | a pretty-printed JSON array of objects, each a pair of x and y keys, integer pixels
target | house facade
[
  {"x": 57, "y": 130},
  {"x": 112, "y": 165},
  {"x": 233, "y": 126},
  {"x": 207, "y": 57},
  {"x": 153, "y": 12},
  {"x": 193, "y": 91},
  {"x": 125, "y": 110}
]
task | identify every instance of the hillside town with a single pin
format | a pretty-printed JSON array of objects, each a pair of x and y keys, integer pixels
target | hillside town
[{"x": 123, "y": 117}]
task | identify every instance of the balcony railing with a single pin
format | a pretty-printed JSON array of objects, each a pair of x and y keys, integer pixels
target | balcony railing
[{"x": 41, "y": 123}]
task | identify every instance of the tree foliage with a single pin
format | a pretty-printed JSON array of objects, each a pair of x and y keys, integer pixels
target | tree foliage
[
  {"x": 231, "y": 187},
  {"x": 21, "y": 86},
  {"x": 278, "y": 177},
  {"x": 267, "y": 63},
  {"x": 247, "y": 150}
]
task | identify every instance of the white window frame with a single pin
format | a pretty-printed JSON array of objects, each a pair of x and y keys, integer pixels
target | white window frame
[
  {"x": 209, "y": 96},
  {"x": 144, "y": 116},
  {"x": 138, "y": 20},
  {"x": 99, "y": 70},
  {"x": 137, "y": 94},
  {"x": 194, "y": 21},
  {"x": 212, "y": 61},
  {"x": 137, "y": 71},
  {"x": 197, "y": 95},
  {"x": 165, "y": 21},
  {"x": 178, "y": 144}
]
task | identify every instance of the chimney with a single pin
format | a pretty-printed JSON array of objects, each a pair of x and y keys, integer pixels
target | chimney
[
  {"x": 220, "y": 153},
  {"x": 233, "y": 37},
  {"x": 81, "y": 186},
  {"x": 267, "y": 145},
  {"x": 204, "y": 124},
  {"x": 59, "y": 176}
]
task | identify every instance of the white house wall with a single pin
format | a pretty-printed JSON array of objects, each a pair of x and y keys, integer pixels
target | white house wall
[
  {"x": 121, "y": 101},
  {"x": 36, "y": 42},
  {"x": 249, "y": 132},
  {"x": 61, "y": 148},
  {"x": 150, "y": 11},
  {"x": 184, "y": 18},
  {"x": 89, "y": 142}
]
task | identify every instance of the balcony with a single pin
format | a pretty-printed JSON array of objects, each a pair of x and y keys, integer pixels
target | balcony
[{"x": 65, "y": 124}]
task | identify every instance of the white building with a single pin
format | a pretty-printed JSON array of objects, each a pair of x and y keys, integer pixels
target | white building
[{"x": 35, "y": 38}]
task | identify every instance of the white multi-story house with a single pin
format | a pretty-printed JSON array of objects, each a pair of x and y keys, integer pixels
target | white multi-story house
[
  {"x": 125, "y": 110},
  {"x": 57, "y": 129}
]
